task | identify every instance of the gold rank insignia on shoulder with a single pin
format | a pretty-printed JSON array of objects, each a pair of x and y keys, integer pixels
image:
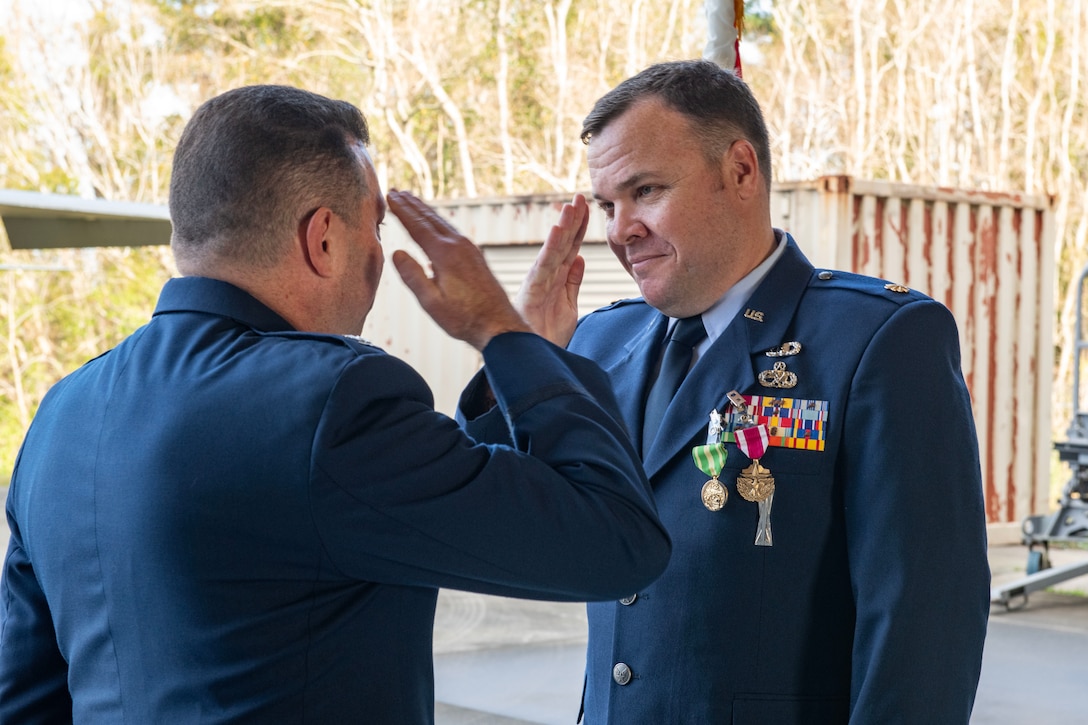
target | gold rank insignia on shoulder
[{"x": 896, "y": 288}]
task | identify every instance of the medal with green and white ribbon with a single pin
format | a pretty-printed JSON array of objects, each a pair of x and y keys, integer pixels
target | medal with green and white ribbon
[{"x": 711, "y": 459}]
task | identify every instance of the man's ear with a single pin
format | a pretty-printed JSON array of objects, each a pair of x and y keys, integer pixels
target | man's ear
[
  {"x": 313, "y": 234},
  {"x": 740, "y": 169}
]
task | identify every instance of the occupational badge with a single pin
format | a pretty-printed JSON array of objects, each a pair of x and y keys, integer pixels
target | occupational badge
[
  {"x": 778, "y": 377},
  {"x": 786, "y": 349}
]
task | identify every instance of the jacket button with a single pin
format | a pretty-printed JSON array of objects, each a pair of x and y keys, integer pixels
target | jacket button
[
  {"x": 621, "y": 673},
  {"x": 628, "y": 601},
  {"x": 825, "y": 275}
]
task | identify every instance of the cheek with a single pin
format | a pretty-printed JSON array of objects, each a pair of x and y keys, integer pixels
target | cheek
[
  {"x": 620, "y": 255},
  {"x": 371, "y": 257},
  {"x": 377, "y": 262},
  {"x": 372, "y": 274}
]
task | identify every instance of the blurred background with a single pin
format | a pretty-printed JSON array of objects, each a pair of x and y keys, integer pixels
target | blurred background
[{"x": 940, "y": 145}]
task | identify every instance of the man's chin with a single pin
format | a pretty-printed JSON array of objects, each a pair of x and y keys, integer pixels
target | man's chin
[
  {"x": 656, "y": 300},
  {"x": 670, "y": 306}
]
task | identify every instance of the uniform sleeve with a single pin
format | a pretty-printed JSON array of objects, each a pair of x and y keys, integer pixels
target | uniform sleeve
[
  {"x": 404, "y": 496},
  {"x": 916, "y": 529},
  {"x": 33, "y": 675}
]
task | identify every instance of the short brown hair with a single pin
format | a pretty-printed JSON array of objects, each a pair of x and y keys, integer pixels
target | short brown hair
[{"x": 718, "y": 104}]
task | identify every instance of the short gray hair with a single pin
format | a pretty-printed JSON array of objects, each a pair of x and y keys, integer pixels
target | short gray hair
[{"x": 252, "y": 161}]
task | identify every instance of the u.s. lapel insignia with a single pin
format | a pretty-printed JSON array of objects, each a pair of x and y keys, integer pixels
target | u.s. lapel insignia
[
  {"x": 778, "y": 377},
  {"x": 756, "y": 315},
  {"x": 786, "y": 349}
]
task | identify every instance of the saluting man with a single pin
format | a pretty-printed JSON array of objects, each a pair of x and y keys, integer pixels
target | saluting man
[
  {"x": 817, "y": 468},
  {"x": 242, "y": 513}
]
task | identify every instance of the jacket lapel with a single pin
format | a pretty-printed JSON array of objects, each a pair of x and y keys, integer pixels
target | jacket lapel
[{"x": 630, "y": 372}]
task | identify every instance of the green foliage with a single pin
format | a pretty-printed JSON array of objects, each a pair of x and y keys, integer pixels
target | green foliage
[
  {"x": 758, "y": 20},
  {"x": 60, "y": 309}
]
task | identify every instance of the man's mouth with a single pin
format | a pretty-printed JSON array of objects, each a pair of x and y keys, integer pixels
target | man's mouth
[{"x": 639, "y": 261}]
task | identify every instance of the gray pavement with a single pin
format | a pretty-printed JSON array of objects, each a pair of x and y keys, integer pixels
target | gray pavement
[
  {"x": 1036, "y": 657},
  {"x": 521, "y": 662},
  {"x": 509, "y": 662}
]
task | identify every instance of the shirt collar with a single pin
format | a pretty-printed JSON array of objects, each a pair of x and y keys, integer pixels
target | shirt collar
[
  {"x": 722, "y": 312},
  {"x": 215, "y": 297}
]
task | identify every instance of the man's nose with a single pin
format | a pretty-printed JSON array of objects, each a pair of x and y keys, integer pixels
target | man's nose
[{"x": 626, "y": 226}]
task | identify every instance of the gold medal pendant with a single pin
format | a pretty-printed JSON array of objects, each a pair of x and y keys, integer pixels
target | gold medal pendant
[
  {"x": 755, "y": 483},
  {"x": 714, "y": 494},
  {"x": 710, "y": 459}
]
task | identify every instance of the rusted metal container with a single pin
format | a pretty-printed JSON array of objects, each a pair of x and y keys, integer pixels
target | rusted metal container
[{"x": 989, "y": 257}]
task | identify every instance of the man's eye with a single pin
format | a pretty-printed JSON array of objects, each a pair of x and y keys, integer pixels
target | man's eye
[
  {"x": 606, "y": 207},
  {"x": 645, "y": 190}
]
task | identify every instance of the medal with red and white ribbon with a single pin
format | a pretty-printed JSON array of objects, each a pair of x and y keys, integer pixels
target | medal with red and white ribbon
[{"x": 755, "y": 483}]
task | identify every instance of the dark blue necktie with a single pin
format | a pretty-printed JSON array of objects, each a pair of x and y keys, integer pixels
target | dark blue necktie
[{"x": 686, "y": 334}]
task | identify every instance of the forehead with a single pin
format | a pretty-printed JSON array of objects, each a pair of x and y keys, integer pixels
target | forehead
[{"x": 647, "y": 137}]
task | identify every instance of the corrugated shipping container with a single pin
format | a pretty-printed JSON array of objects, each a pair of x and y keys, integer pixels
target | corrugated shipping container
[{"x": 987, "y": 256}]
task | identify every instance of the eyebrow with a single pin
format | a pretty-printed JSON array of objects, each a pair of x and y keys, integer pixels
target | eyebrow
[{"x": 635, "y": 179}]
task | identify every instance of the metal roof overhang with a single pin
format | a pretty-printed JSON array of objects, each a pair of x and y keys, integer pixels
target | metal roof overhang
[{"x": 54, "y": 221}]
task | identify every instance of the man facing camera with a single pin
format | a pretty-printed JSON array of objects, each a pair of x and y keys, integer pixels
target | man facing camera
[{"x": 807, "y": 433}]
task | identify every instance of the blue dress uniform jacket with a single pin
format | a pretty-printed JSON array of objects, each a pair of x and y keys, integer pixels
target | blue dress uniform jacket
[
  {"x": 226, "y": 520},
  {"x": 871, "y": 605}
]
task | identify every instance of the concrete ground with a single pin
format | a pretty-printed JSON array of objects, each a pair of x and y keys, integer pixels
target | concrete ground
[
  {"x": 509, "y": 662},
  {"x": 1036, "y": 657},
  {"x": 505, "y": 662}
]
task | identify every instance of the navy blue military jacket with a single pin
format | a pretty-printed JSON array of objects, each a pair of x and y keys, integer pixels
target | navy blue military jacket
[
  {"x": 226, "y": 520},
  {"x": 870, "y": 607}
]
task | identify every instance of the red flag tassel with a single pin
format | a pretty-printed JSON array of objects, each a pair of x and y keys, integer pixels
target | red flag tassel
[{"x": 738, "y": 23}]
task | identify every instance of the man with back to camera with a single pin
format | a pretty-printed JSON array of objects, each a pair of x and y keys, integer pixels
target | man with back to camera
[
  {"x": 243, "y": 513},
  {"x": 818, "y": 466}
]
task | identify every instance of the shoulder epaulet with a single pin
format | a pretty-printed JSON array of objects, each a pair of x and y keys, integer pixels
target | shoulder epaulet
[
  {"x": 837, "y": 279},
  {"x": 359, "y": 342},
  {"x": 355, "y": 342},
  {"x": 621, "y": 303},
  {"x": 360, "y": 339}
]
